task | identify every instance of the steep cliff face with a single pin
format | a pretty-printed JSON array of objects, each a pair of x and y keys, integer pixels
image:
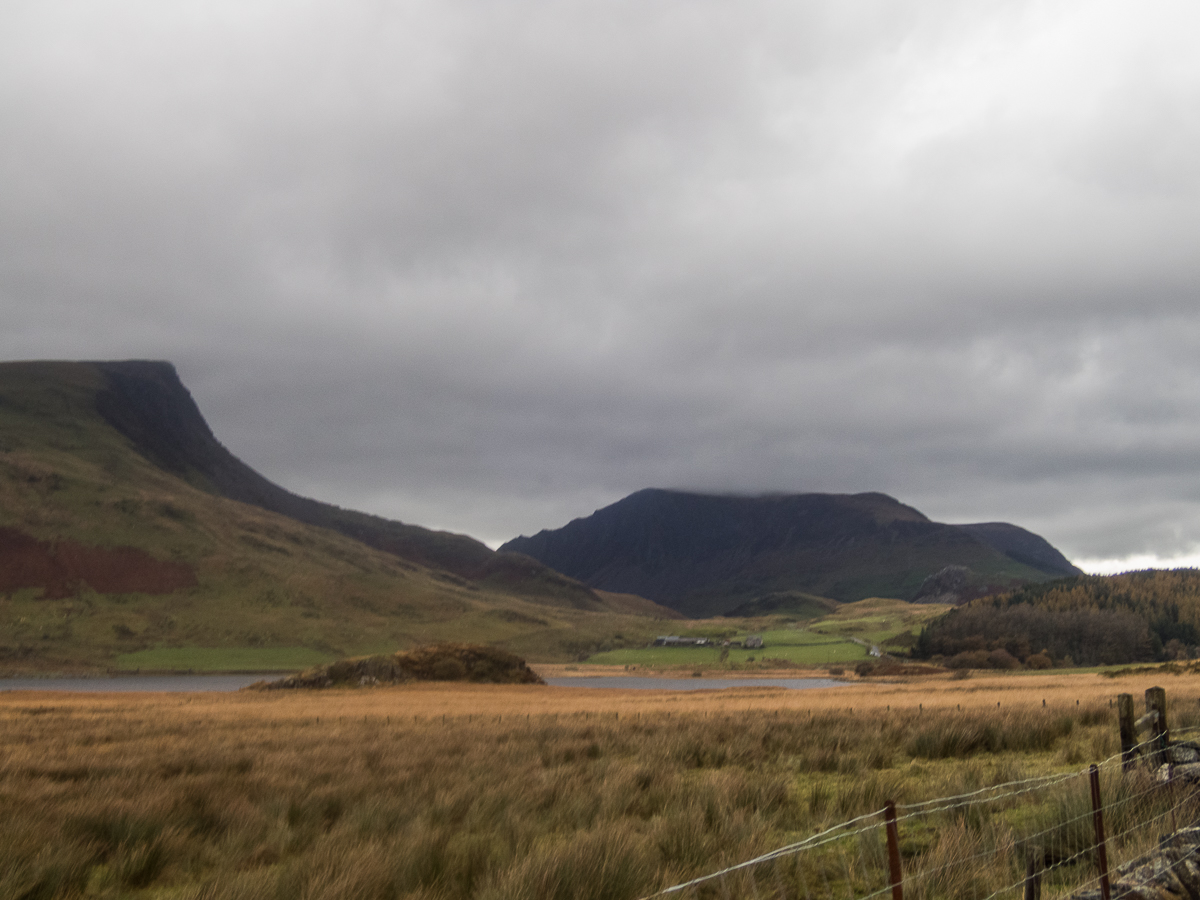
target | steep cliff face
[
  {"x": 147, "y": 403},
  {"x": 705, "y": 554},
  {"x": 130, "y": 537}
]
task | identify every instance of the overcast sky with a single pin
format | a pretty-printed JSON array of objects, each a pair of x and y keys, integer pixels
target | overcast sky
[{"x": 488, "y": 266}]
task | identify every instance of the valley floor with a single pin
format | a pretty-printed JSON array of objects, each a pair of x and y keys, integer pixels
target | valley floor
[
  {"x": 488, "y": 791},
  {"x": 1059, "y": 690}
]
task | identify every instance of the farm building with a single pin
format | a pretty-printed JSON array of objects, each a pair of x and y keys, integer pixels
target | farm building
[{"x": 674, "y": 640}]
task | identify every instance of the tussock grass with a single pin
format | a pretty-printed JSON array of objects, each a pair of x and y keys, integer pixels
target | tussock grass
[{"x": 527, "y": 792}]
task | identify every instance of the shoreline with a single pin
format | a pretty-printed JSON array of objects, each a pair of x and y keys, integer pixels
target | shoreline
[{"x": 595, "y": 670}]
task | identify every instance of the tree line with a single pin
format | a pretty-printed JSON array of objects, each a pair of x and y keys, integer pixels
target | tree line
[{"x": 1082, "y": 620}]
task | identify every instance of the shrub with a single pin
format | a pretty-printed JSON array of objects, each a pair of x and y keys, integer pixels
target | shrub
[
  {"x": 1002, "y": 659},
  {"x": 448, "y": 669},
  {"x": 969, "y": 659}
]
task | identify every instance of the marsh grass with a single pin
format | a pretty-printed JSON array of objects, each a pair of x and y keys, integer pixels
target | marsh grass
[{"x": 257, "y": 796}]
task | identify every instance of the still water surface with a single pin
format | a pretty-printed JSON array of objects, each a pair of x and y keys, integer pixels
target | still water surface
[
  {"x": 621, "y": 682},
  {"x": 187, "y": 683}
]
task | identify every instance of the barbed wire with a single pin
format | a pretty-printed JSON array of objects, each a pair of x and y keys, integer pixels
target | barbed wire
[
  {"x": 817, "y": 840},
  {"x": 928, "y": 809},
  {"x": 1114, "y": 838}
]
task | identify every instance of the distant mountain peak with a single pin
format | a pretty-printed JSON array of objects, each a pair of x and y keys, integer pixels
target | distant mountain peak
[{"x": 704, "y": 554}]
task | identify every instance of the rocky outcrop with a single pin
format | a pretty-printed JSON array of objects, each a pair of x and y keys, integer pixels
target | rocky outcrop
[
  {"x": 438, "y": 662},
  {"x": 955, "y": 585},
  {"x": 948, "y": 585},
  {"x": 1172, "y": 872}
]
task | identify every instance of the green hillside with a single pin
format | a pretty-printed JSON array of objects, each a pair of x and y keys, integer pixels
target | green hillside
[
  {"x": 148, "y": 405},
  {"x": 110, "y": 560}
]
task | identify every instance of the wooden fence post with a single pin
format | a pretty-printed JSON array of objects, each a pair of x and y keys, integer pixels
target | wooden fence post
[
  {"x": 1128, "y": 731},
  {"x": 1098, "y": 821},
  {"x": 893, "y": 843},
  {"x": 1156, "y": 701},
  {"x": 1035, "y": 862}
]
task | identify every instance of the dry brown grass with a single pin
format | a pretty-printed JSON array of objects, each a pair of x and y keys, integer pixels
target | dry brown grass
[
  {"x": 433, "y": 700},
  {"x": 518, "y": 792}
]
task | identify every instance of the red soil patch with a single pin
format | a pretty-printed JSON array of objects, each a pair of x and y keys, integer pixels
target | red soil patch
[{"x": 61, "y": 567}]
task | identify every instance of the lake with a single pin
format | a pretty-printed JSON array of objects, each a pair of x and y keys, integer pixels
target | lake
[
  {"x": 194, "y": 683},
  {"x": 157, "y": 683},
  {"x": 623, "y": 682}
]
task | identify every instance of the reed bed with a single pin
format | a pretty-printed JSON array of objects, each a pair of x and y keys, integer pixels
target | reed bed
[{"x": 493, "y": 792}]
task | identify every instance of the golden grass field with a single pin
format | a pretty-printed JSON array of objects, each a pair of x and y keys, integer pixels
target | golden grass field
[
  {"x": 457, "y": 790},
  {"x": 1060, "y": 690}
]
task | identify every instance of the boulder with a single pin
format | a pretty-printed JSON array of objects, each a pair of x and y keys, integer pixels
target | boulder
[{"x": 1172, "y": 872}]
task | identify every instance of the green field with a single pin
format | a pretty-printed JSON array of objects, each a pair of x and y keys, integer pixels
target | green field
[
  {"x": 223, "y": 659},
  {"x": 844, "y": 636},
  {"x": 791, "y": 645},
  {"x": 879, "y": 621}
]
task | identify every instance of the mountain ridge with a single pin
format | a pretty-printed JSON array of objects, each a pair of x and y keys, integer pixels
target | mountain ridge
[
  {"x": 147, "y": 402},
  {"x": 704, "y": 554},
  {"x": 120, "y": 549}
]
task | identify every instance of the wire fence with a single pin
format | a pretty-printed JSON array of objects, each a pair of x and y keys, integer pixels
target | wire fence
[{"x": 1038, "y": 837}]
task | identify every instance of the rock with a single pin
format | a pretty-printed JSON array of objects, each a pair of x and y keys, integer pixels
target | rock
[
  {"x": 1185, "y": 771},
  {"x": 1170, "y": 873},
  {"x": 1182, "y": 752},
  {"x": 949, "y": 585}
]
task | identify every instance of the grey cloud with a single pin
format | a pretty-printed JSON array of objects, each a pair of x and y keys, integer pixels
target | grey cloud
[{"x": 487, "y": 266}]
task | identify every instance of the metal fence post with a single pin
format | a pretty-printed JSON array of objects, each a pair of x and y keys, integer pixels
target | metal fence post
[
  {"x": 893, "y": 842},
  {"x": 1098, "y": 821}
]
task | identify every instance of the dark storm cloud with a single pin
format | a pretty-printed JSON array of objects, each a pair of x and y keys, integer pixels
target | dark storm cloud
[{"x": 488, "y": 266}]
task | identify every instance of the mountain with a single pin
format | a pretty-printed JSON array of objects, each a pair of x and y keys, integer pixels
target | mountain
[
  {"x": 148, "y": 404},
  {"x": 130, "y": 536},
  {"x": 706, "y": 554},
  {"x": 1023, "y": 547}
]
